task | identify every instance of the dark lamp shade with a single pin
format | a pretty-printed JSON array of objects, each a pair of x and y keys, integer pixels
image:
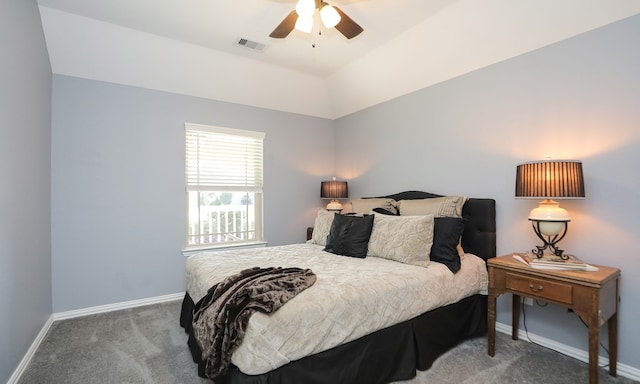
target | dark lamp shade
[
  {"x": 553, "y": 179},
  {"x": 334, "y": 190}
]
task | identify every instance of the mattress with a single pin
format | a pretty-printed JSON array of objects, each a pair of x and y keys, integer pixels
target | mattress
[{"x": 351, "y": 298}]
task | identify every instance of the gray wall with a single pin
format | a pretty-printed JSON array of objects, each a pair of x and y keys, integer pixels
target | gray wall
[
  {"x": 118, "y": 185},
  {"x": 25, "y": 142},
  {"x": 577, "y": 99},
  {"x": 114, "y": 160}
]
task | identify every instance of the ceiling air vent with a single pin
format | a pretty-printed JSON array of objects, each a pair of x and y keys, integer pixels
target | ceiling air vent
[{"x": 250, "y": 44}]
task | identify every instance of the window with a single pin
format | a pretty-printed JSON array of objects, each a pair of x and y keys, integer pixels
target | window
[{"x": 223, "y": 169}]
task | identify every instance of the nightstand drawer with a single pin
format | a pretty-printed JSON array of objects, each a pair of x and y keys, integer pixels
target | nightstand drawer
[{"x": 538, "y": 288}]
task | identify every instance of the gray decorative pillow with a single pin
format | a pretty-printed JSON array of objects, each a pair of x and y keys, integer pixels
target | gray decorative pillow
[
  {"x": 321, "y": 227},
  {"x": 368, "y": 205},
  {"x": 448, "y": 206},
  {"x": 406, "y": 239}
]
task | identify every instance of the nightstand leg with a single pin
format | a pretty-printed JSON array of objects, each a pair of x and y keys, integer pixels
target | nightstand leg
[
  {"x": 594, "y": 335},
  {"x": 613, "y": 345},
  {"x": 515, "y": 316},
  {"x": 491, "y": 324}
]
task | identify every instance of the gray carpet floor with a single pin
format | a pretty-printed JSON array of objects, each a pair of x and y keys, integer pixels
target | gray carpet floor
[{"x": 147, "y": 345}]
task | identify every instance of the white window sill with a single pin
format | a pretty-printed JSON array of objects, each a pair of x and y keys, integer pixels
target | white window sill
[{"x": 223, "y": 247}]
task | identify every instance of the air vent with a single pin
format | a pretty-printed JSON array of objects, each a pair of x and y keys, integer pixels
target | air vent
[{"x": 250, "y": 44}]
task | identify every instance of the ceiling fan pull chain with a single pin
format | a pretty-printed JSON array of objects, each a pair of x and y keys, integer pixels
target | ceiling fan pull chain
[{"x": 313, "y": 43}]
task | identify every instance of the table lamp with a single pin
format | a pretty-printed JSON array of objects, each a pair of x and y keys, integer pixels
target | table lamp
[
  {"x": 334, "y": 190},
  {"x": 548, "y": 180}
]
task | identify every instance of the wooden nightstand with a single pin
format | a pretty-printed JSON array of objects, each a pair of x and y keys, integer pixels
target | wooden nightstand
[{"x": 591, "y": 295}]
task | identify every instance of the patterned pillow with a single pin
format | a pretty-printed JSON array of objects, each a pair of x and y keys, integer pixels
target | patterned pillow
[
  {"x": 406, "y": 239},
  {"x": 448, "y": 206},
  {"x": 321, "y": 227}
]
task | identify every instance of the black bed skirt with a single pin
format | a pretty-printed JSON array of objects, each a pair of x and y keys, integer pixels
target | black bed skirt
[{"x": 391, "y": 354}]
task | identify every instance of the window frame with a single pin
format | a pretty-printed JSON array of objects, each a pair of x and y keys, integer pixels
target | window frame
[{"x": 246, "y": 184}]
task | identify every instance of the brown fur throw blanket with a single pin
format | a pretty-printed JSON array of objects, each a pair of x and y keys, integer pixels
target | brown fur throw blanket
[{"x": 220, "y": 318}]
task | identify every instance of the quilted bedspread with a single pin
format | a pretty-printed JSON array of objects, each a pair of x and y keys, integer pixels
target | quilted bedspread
[{"x": 351, "y": 298}]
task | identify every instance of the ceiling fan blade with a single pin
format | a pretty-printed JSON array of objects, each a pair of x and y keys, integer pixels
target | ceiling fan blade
[
  {"x": 347, "y": 26},
  {"x": 286, "y": 26}
]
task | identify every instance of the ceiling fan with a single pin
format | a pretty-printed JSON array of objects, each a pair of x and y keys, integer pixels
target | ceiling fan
[{"x": 302, "y": 19}]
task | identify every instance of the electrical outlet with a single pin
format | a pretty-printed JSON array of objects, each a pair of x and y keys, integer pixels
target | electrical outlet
[{"x": 528, "y": 301}]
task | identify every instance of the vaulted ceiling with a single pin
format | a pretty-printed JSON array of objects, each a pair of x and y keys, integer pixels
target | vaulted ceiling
[{"x": 191, "y": 46}]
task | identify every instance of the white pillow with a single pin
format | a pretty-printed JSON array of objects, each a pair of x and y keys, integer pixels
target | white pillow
[
  {"x": 448, "y": 206},
  {"x": 406, "y": 239},
  {"x": 321, "y": 227}
]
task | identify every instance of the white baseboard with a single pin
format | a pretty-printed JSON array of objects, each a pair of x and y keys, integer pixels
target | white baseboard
[
  {"x": 83, "y": 312},
  {"x": 579, "y": 354},
  {"x": 116, "y": 306},
  {"x": 30, "y": 352}
]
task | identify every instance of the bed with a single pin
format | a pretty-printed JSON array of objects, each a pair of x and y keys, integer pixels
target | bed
[{"x": 396, "y": 328}]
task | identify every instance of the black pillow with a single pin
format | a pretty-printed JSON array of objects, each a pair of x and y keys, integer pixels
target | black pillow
[
  {"x": 349, "y": 235},
  {"x": 384, "y": 212},
  {"x": 446, "y": 236}
]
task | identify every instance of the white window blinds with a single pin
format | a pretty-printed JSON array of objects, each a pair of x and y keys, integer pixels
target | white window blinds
[{"x": 223, "y": 159}]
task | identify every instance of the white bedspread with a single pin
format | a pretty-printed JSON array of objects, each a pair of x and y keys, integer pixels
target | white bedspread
[{"x": 351, "y": 298}]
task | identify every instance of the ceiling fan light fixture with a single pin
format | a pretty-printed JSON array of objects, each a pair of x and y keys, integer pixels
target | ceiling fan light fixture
[
  {"x": 303, "y": 18},
  {"x": 306, "y": 8},
  {"x": 329, "y": 15},
  {"x": 304, "y": 24}
]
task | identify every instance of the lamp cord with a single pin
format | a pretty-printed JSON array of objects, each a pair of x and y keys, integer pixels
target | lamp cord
[{"x": 524, "y": 323}]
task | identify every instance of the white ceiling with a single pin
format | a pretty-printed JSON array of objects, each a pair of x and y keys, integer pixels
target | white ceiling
[
  {"x": 189, "y": 46},
  {"x": 218, "y": 24}
]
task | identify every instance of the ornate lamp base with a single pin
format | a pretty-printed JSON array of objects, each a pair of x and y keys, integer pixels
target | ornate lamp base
[
  {"x": 334, "y": 206},
  {"x": 550, "y": 237}
]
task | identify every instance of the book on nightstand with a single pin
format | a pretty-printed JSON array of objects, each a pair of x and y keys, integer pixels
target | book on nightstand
[{"x": 554, "y": 262}]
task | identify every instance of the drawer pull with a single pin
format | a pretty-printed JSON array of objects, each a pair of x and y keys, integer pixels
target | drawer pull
[{"x": 539, "y": 289}]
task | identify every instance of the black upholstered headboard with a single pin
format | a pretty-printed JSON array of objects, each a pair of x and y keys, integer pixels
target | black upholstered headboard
[{"x": 479, "y": 236}]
